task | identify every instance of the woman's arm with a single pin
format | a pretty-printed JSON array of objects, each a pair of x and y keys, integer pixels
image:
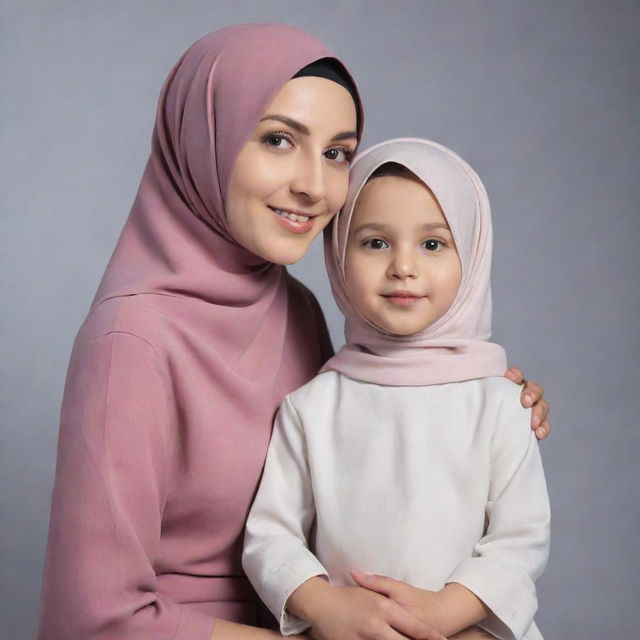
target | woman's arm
[
  {"x": 532, "y": 396},
  {"x": 109, "y": 494}
]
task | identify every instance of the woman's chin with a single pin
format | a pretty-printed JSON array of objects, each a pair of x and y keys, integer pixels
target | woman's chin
[{"x": 286, "y": 252}]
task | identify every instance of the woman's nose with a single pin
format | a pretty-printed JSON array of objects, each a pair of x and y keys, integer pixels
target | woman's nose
[
  {"x": 309, "y": 179},
  {"x": 404, "y": 264}
]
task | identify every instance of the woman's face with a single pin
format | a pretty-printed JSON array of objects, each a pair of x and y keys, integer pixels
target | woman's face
[{"x": 292, "y": 174}]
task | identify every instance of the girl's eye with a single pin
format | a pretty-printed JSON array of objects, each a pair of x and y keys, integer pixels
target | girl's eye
[
  {"x": 277, "y": 140},
  {"x": 338, "y": 154},
  {"x": 433, "y": 244},
  {"x": 375, "y": 243}
]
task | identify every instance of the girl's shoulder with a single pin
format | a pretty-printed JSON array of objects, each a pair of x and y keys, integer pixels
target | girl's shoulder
[
  {"x": 510, "y": 421},
  {"x": 320, "y": 389}
]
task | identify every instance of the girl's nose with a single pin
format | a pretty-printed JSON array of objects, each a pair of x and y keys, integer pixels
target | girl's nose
[
  {"x": 404, "y": 264},
  {"x": 309, "y": 179}
]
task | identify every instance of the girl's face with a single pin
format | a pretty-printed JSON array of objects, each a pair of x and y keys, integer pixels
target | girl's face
[
  {"x": 402, "y": 267},
  {"x": 292, "y": 174}
]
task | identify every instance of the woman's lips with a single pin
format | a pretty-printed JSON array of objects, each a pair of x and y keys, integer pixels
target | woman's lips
[{"x": 292, "y": 221}]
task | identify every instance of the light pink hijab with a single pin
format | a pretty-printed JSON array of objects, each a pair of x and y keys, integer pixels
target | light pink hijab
[{"x": 456, "y": 346}]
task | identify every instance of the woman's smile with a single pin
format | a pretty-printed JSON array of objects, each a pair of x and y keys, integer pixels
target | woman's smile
[{"x": 294, "y": 221}]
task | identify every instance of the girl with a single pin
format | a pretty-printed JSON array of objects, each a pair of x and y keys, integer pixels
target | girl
[
  {"x": 409, "y": 455},
  {"x": 196, "y": 334}
]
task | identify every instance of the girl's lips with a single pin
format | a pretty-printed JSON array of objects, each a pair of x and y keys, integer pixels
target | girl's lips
[{"x": 403, "y": 299}]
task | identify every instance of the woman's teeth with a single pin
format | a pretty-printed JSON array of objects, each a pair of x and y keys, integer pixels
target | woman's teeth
[{"x": 291, "y": 216}]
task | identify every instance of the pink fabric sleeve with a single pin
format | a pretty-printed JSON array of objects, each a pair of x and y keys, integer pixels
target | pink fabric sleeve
[{"x": 110, "y": 489}]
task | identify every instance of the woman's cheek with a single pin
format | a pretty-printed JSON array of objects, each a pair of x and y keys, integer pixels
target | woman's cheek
[{"x": 337, "y": 182}]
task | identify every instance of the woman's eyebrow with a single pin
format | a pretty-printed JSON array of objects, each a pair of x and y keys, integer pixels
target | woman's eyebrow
[{"x": 301, "y": 128}]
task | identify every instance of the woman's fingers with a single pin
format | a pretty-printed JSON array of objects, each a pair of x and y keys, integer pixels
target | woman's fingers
[
  {"x": 514, "y": 374},
  {"x": 543, "y": 430},
  {"x": 532, "y": 395}
]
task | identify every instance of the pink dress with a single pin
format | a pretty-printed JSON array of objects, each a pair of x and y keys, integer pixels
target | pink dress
[{"x": 176, "y": 374}]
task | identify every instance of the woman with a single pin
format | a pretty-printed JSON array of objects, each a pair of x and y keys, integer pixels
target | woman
[{"x": 195, "y": 336}]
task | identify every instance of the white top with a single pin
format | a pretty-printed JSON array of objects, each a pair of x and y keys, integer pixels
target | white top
[{"x": 427, "y": 485}]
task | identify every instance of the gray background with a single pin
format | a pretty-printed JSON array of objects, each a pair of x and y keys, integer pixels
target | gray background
[{"x": 542, "y": 97}]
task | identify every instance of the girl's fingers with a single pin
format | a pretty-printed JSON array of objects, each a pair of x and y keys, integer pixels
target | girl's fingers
[
  {"x": 474, "y": 633},
  {"x": 380, "y": 584},
  {"x": 409, "y": 626}
]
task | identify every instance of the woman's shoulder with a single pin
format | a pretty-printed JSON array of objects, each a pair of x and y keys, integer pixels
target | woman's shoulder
[
  {"x": 129, "y": 322},
  {"x": 139, "y": 316}
]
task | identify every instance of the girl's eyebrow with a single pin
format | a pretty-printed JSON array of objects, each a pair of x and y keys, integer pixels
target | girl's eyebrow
[
  {"x": 377, "y": 226},
  {"x": 304, "y": 130}
]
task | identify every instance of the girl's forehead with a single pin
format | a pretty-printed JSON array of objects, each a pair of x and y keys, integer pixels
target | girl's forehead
[{"x": 396, "y": 199}]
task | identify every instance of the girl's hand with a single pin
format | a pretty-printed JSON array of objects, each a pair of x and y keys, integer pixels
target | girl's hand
[
  {"x": 353, "y": 613},
  {"x": 449, "y": 610},
  {"x": 473, "y": 633},
  {"x": 531, "y": 396},
  {"x": 422, "y": 604}
]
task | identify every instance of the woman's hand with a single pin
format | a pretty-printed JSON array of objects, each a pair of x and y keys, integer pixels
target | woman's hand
[
  {"x": 531, "y": 396},
  {"x": 353, "y": 613}
]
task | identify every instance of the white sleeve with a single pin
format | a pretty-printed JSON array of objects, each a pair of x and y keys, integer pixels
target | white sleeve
[
  {"x": 514, "y": 550},
  {"x": 276, "y": 557}
]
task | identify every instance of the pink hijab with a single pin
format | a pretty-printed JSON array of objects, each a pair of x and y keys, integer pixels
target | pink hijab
[
  {"x": 175, "y": 376},
  {"x": 209, "y": 104},
  {"x": 456, "y": 346}
]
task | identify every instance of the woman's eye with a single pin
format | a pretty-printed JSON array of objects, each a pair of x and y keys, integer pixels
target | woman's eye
[
  {"x": 433, "y": 245},
  {"x": 375, "y": 243},
  {"x": 277, "y": 140},
  {"x": 338, "y": 154}
]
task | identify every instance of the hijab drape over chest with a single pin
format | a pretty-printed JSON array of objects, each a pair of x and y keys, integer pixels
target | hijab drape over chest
[
  {"x": 175, "y": 376},
  {"x": 456, "y": 346}
]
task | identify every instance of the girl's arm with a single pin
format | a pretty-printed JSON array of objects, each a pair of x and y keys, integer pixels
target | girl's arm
[
  {"x": 283, "y": 570},
  {"x": 532, "y": 396}
]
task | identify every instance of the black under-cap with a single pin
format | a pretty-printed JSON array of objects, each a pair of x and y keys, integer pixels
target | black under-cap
[{"x": 333, "y": 70}]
